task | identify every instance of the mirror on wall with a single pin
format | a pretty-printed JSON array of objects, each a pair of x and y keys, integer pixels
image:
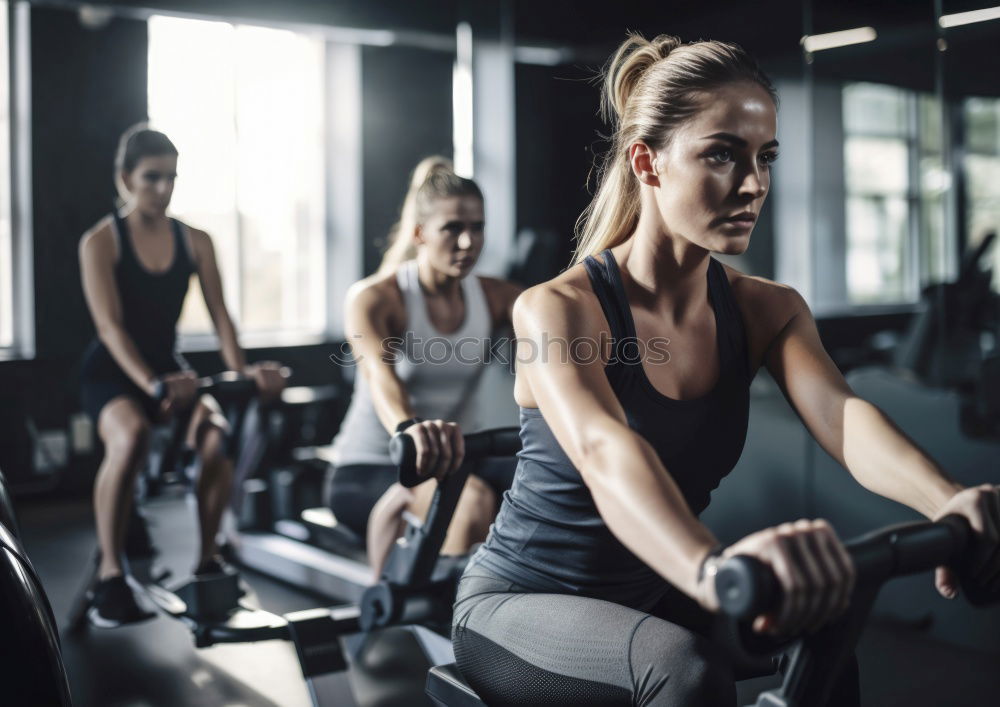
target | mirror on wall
[
  {"x": 878, "y": 174},
  {"x": 970, "y": 65}
]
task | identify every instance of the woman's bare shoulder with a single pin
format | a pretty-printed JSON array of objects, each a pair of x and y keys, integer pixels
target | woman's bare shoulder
[
  {"x": 566, "y": 304},
  {"x": 377, "y": 295},
  {"x": 767, "y": 307},
  {"x": 763, "y": 297},
  {"x": 99, "y": 240}
]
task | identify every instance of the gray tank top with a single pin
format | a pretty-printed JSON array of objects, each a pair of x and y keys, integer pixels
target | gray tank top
[{"x": 440, "y": 372}]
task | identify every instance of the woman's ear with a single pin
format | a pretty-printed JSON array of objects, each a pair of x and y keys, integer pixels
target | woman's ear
[
  {"x": 125, "y": 182},
  {"x": 643, "y": 160},
  {"x": 418, "y": 235}
]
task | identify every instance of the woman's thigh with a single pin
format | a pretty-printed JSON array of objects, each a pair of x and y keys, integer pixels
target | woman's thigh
[
  {"x": 562, "y": 649},
  {"x": 123, "y": 426},
  {"x": 354, "y": 489}
]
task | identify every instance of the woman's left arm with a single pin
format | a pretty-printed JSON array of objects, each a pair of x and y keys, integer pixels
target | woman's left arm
[
  {"x": 865, "y": 441},
  {"x": 267, "y": 374},
  {"x": 211, "y": 289}
]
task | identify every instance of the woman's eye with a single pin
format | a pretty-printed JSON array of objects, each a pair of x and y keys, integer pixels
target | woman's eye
[
  {"x": 768, "y": 158},
  {"x": 721, "y": 156}
]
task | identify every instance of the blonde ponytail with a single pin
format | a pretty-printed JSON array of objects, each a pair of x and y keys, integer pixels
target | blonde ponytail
[
  {"x": 649, "y": 88},
  {"x": 433, "y": 178}
]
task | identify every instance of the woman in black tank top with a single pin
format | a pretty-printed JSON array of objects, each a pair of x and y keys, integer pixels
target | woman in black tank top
[
  {"x": 595, "y": 583},
  {"x": 135, "y": 266}
]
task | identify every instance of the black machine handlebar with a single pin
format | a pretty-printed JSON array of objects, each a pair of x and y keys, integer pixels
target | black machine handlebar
[
  {"x": 747, "y": 587},
  {"x": 230, "y": 385},
  {"x": 500, "y": 442},
  {"x": 413, "y": 582}
]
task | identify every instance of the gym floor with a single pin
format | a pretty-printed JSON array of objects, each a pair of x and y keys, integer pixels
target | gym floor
[{"x": 155, "y": 664}]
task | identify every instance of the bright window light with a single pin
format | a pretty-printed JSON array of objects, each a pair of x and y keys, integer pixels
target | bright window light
[
  {"x": 894, "y": 183},
  {"x": 244, "y": 105},
  {"x": 832, "y": 40},
  {"x": 462, "y": 98},
  {"x": 6, "y": 250}
]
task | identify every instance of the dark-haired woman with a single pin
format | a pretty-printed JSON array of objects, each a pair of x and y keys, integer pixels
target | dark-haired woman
[
  {"x": 441, "y": 319},
  {"x": 136, "y": 265},
  {"x": 595, "y": 584}
]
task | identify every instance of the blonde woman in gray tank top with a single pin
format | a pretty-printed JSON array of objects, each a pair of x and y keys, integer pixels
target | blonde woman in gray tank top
[{"x": 419, "y": 329}]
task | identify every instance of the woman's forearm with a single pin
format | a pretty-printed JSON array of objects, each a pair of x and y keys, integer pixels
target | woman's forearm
[
  {"x": 885, "y": 461},
  {"x": 644, "y": 508},
  {"x": 232, "y": 354},
  {"x": 389, "y": 396}
]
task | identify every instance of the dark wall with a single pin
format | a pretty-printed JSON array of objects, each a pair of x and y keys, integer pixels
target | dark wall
[
  {"x": 87, "y": 86},
  {"x": 407, "y": 113},
  {"x": 558, "y": 134}
]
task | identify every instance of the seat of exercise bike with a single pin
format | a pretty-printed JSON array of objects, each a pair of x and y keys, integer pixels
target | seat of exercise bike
[{"x": 446, "y": 686}]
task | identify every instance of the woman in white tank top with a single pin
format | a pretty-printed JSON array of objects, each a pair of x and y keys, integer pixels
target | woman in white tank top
[{"x": 418, "y": 330}]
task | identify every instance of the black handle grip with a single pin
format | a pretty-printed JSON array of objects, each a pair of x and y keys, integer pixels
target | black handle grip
[
  {"x": 500, "y": 442},
  {"x": 229, "y": 384},
  {"x": 747, "y": 587}
]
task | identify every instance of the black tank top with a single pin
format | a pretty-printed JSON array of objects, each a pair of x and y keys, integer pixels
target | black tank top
[
  {"x": 151, "y": 304},
  {"x": 548, "y": 535}
]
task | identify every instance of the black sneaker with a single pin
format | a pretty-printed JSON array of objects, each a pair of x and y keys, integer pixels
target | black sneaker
[
  {"x": 114, "y": 605},
  {"x": 213, "y": 565}
]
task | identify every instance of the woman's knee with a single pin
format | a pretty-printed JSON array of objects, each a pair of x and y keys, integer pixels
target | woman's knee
[
  {"x": 674, "y": 666},
  {"x": 126, "y": 436},
  {"x": 208, "y": 429},
  {"x": 478, "y": 500},
  {"x": 211, "y": 444}
]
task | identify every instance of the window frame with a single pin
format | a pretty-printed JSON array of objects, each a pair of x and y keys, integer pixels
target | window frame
[{"x": 18, "y": 139}]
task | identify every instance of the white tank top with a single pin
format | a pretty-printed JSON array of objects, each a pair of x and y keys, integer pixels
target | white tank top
[{"x": 439, "y": 371}]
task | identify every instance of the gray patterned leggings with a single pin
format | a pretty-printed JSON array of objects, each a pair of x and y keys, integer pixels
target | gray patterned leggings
[{"x": 522, "y": 648}]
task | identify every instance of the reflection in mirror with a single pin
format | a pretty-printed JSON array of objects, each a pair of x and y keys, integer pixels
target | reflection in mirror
[
  {"x": 970, "y": 32},
  {"x": 877, "y": 158}
]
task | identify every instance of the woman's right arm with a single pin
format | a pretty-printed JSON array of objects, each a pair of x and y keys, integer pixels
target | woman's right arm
[
  {"x": 636, "y": 496},
  {"x": 97, "y": 258},
  {"x": 640, "y": 502},
  {"x": 368, "y": 325}
]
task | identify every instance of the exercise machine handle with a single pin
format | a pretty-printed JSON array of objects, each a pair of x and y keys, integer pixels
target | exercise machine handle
[
  {"x": 230, "y": 384},
  {"x": 499, "y": 442},
  {"x": 747, "y": 587}
]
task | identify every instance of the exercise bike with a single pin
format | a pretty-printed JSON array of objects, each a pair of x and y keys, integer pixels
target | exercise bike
[
  {"x": 811, "y": 665},
  {"x": 416, "y": 588}
]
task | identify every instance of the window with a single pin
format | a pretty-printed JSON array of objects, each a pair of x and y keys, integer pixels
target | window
[
  {"x": 6, "y": 244},
  {"x": 982, "y": 172},
  {"x": 895, "y": 184},
  {"x": 244, "y": 105}
]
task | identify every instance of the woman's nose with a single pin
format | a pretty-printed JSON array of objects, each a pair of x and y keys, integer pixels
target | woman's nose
[{"x": 753, "y": 184}]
